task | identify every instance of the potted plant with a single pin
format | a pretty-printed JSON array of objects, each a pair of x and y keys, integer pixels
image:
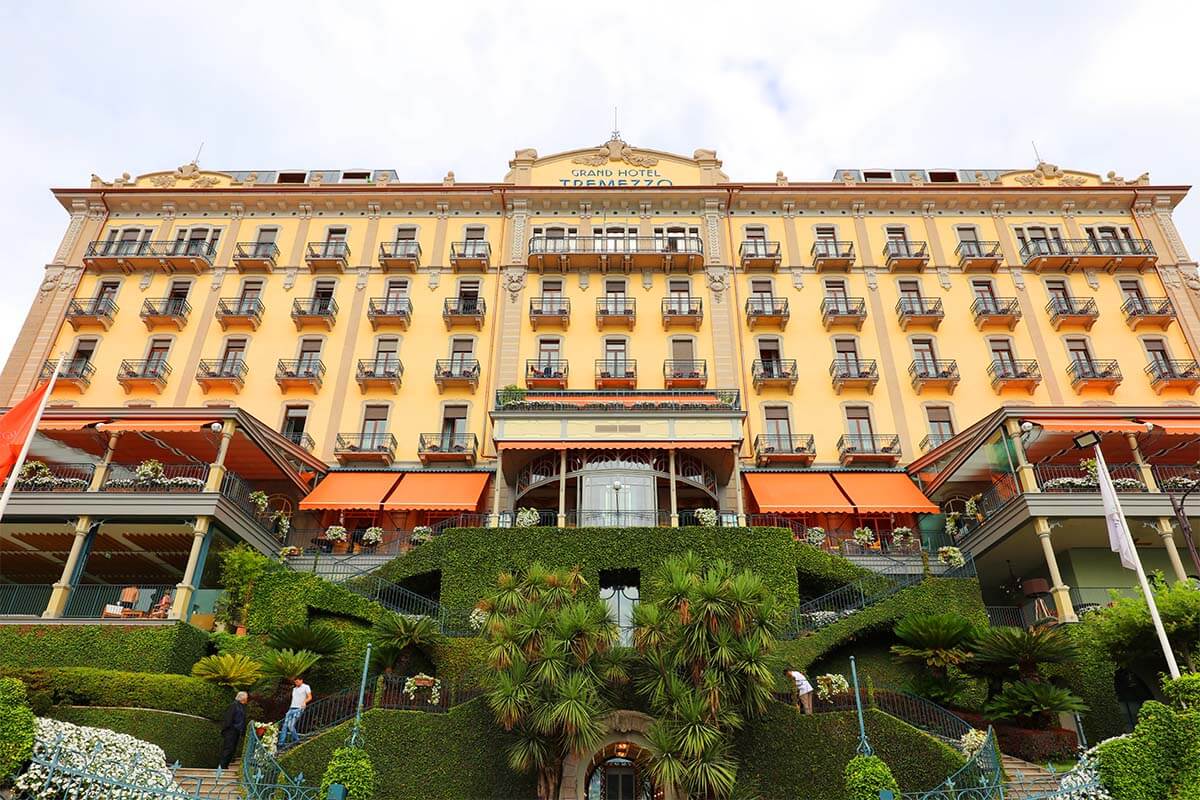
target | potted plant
[
  {"x": 282, "y": 522},
  {"x": 372, "y": 537},
  {"x": 951, "y": 556},
  {"x": 952, "y": 524},
  {"x": 707, "y": 517},
  {"x": 421, "y": 534},
  {"x": 815, "y": 536},
  {"x": 290, "y": 551},
  {"x": 902, "y": 537},
  {"x": 334, "y": 537},
  {"x": 971, "y": 509},
  {"x": 527, "y": 518},
  {"x": 259, "y": 500},
  {"x": 864, "y": 536},
  {"x": 830, "y": 684}
]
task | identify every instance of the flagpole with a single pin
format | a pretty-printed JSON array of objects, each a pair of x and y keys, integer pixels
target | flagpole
[
  {"x": 16, "y": 470},
  {"x": 1102, "y": 474}
]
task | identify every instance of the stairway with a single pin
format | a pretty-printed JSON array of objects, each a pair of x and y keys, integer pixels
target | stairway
[
  {"x": 335, "y": 568},
  {"x": 1027, "y": 780},
  {"x": 211, "y": 784}
]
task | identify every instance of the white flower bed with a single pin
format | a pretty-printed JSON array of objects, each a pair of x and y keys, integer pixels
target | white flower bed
[
  {"x": 411, "y": 687},
  {"x": 95, "y": 751},
  {"x": 815, "y": 536},
  {"x": 707, "y": 517},
  {"x": 819, "y": 619},
  {"x": 972, "y": 743},
  {"x": 1083, "y": 782},
  {"x": 830, "y": 684},
  {"x": 527, "y": 518},
  {"x": 477, "y": 619},
  {"x": 1179, "y": 483}
]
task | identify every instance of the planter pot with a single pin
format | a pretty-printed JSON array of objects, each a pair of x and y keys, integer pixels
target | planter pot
[
  {"x": 340, "y": 547},
  {"x": 423, "y": 683},
  {"x": 324, "y": 546},
  {"x": 240, "y": 630}
]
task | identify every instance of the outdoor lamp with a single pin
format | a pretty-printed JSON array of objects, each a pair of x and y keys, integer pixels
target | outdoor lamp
[
  {"x": 1026, "y": 426},
  {"x": 215, "y": 427},
  {"x": 1086, "y": 440}
]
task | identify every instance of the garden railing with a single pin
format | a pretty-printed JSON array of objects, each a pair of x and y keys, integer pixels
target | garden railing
[
  {"x": 264, "y": 779},
  {"x": 451, "y": 622}
]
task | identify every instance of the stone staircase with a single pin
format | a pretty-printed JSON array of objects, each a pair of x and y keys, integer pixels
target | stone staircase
[
  {"x": 211, "y": 784},
  {"x": 333, "y": 567},
  {"x": 1027, "y": 780}
]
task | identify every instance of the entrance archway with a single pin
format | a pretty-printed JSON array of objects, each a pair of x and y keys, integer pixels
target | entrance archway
[{"x": 613, "y": 766}]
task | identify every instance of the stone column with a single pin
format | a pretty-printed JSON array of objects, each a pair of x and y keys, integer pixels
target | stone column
[
  {"x": 1143, "y": 467},
  {"x": 562, "y": 488},
  {"x": 191, "y": 574},
  {"x": 1166, "y": 532},
  {"x": 101, "y": 471},
  {"x": 61, "y": 591},
  {"x": 1025, "y": 474},
  {"x": 737, "y": 488},
  {"x": 674, "y": 492},
  {"x": 1058, "y": 590},
  {"x": 216, "y": 470}
]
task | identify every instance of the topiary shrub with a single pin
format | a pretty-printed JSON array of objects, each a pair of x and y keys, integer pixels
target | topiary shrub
[
  {"x": 1160, "y": 759},
  {"x": 16, "y": 728},
  {"x": 865, "y": 776},
  {"x": 166, "y": 648},
  {"x": 352, "y": 768},
  {"x": 81, "y": 686},
  {"x": 1184, "y": 691}
]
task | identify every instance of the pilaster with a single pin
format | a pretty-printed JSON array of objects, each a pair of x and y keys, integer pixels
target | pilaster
[
  {"x": 1166, "y": 533},
  {"x": 1058, "y": 590},
  {"x": 60, "y": 593},
  {"x": 186, "y": 588}
]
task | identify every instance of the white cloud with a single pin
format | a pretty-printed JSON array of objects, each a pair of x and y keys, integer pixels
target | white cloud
[{"x": 423, "y": 88}]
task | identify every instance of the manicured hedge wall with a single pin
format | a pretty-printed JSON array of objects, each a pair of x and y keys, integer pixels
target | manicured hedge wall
[
  {"x": 82, "y": 686},
  {"x": 790, "y": 755},
  {"x": 432, "y": 756},
  {"x": 470, "y": 558},
  {"x": 1093, "y": 677},
  {"x": 134, "y": 648},
  {"x": 191, "y": 741}
]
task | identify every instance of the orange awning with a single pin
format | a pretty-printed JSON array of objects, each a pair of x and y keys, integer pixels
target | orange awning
[
  {"x": 1083, "y": 425},
  {"x": 797, "y": 493},
  {"x": 600, "y": 444},
  {"x": 158, "y": 425},
  {"x": 1178, "y": 427},
  {"x": 884, "y": 493},
  {"x": 438, "y": 491},
  {"x": 68, "y": 424},
  {"x": 351, "y": 491}
]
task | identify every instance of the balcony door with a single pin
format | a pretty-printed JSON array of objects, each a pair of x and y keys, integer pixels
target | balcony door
[
  {"x": 1040, "y": 240},
  {"x": 846, "y": 354},
  {"x": 756, "y": 241},
  {"x": 941, "y": 427},
  {"x": 617, "y": 497},
  {"x": 251, "y": 292},
  {"x": 859, "y": 432},
  {"x": 1002, "y": 358},
  {"x": 826, "y": 243},
  {"x": 1081, "y": 356},
  {"x": 549, "y": 355},
  {"x": 968, "y": 240},
  {"x": 387, "y": 362},
  {"x": 335, "y": 242},
  {"x": 264, "y": 244},
  {"x": 177, "y": 297},
  {"x": 910, "y": 297},
  {"x": 84, "y": 350},
  {"x": 394, "y": 295},
  {"x": 374, "y": 428},
  {"x": 156, "y": 357},
  {"x": 1135, "y": 299},
  {"x": 778, "y": 429},
  {"x": 462, "y": 355},
  {"x": 762, "y": 296},
  {"x": 616, "y": 362},
  {"x": 454, "y": 428},
  {"x": 836, "y": 298},
  {"x": 552, "y": 296},
  {"x": 310, "y": 357},
  {"x": 106, "y": 294},
  {"x": 475, "y": 244},
  {"x": 468, "y": 297},
  {"x": 235, "y": 353},
  {"x": 985, "y": 294},
  {"x": 614, "y": 296},
  {"x": 295, "y": 420},
  {"x": 1160, "y": 359},
  {"x": 679, "y": 300},
  {"x": 924, "y": 356},
  {"x": 1060, "y": 295},
  {"x": 322, "y": 302},
  {"x": 771, "y": 357}
]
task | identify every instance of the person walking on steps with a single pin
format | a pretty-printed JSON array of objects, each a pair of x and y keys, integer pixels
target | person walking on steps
[
  {"x": 301, "y": 697},
  {"x": 232, "y": 726}
]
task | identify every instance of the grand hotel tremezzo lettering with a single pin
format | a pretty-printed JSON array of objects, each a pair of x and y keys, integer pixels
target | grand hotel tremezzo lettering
[{"x": 624, "y": 176}]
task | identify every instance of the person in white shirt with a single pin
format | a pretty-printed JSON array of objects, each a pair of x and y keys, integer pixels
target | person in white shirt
[
  {"x": 301, "y": 697},
  {"x": 802, "y": 691}
]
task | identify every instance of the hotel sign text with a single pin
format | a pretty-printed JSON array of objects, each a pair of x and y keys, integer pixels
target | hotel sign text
[{"x": 621, "y": 176}]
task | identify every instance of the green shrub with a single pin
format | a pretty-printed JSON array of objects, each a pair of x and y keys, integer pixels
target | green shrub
[
  {"x": 1184, "y": 691},
  {"x": 352, "y": 768},
  {"x": 319, "y": 638},
  {"x": 1092, "y": 676},
  {"x": 16, "y": 728},
  {"x": 865, "y": 776},
  {"x": 166, "y": 648},
  {"x": 228, "y": 669},
  {"x": 1034, "y": 705},
  {"x": 190, "y": 741},
  {"x": 82, "y": 686},
  {"x": 1160, "y": 759},
  {"x": 288, "y": 665},
  {"x": 241, "y": 569}
]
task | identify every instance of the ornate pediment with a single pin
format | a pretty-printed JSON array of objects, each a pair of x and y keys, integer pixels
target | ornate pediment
[
  {"x": 1047, "y": 174},
  {"x": 613, "y": 151},
  {"x": 186, "y": 176}
]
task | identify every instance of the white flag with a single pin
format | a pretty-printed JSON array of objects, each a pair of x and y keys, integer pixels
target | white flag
[{"x": 1119, "y": 539}]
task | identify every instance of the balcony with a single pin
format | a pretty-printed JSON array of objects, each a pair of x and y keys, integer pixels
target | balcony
[
  {"x": 304, "y": 373},
  {"x": 1174, "y": 374},
  {"x": 1072, "y": 312},
  {"x": 1154, "y": 312},
  {"x": 255, "y": 256},
  {"x": 1068, "y": 254},
  {"x": 225, "y": 373},
  {"x": 95, "y": 313},
  {"x": 996, "y": 312},
  {"x": 856, "y": 449},
  {"x": 381, "y": 372},
  {"x": 389, "y": 312},
  {"x": 470, "y": 255},
  {"x": 774, "y": 448},
  {"x": 854, "y": 374},
  {"x": 838, "y": 311},
  {"x": 463, "y": 311},
  {"x": 188, "y": 478},
  {"x": 682, "y": 310},
  {"x": 921, "y": 312},
  {"x": 767, "y": 310},
  {"x": 1095, "y": 375},
  {"x": 327, "y": 256},
  {"x": 446, "y": 446},
  {"x": 617, "y": 253},
  {"x": 832, "y": 254},
  {"x": 616, "y": 373},
  {"x": 934, "y": 441},
  {"x": 1014, "y": 374},
  {"x": 456, "y": 373},
  {"x": 903, "y": 254},
  {"x": 685, "y": 374},
  {"x": 365, "y": 448},
  {"x": 315, "y": 312},
  {"x": 1070, "y": 479},
  {"x": 776, "y": 373},
  {"x": 300, "y": 439},
  {"x": 979, "y": 256},
  {"x": 756, "y": 254},
  {"x": 941, "y": 373},
  {"x": 616, "y": 309},
  {"x": 144, "y": 374},
  {"x": 238, "y": 312},
  {"x": 52, "y": 477},
  {"x": 75, "y": 372},
  {"x": 552, "y": 310},
  {"x": 402, "y": 255},
  {"x": 176, "y": 256},
  {"x": 546, "y": 373},
  {"x": 165, "y": 312}
]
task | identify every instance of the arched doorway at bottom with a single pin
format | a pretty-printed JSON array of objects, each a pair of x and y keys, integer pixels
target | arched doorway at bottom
[{"x": 614, "y": 759}]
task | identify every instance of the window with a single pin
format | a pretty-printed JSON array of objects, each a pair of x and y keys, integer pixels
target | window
[
  {"x": 264, "y": 245},
  {"x": 682, "y": 350},
  {"x": 292, "y": 177},
  {"x": 896, "y": 233},
  {"x": 1002, "y": 357},
  {"x": 468, "y": 296},
  {"x": 1135, "y": 300},
  {"x": 1160, "y": 358},
  {"x": 756, "y": 241},
  {"x": 322, "y": 301},
  {"x": 846, "y": 355},
  {"x": 860, "y": 435},
  {"x": 355, "y": 175},
  {"x": 1081, "y": 356},
  {"x": 235, "y": 354},
  {"x": 474, "y": 244},
  {"x": 615, "y": 239},
  {"x": 406, "y": 233},
  {"x": 374, "y": 428},
  {"x": 620, "y": 593},
  {"x": 156, "y": 357},
  {"x": 247, "y": 302},
  {"x": 462, "y": 355},
  {"x": 941, "y": 427},
  {"x": 836, "y": 299},
  {"x": 772, "y": 358},
  {"x": 968, "y": 241},
  {"x": 778, "y": 428},
  {"x": 387, "y": 360},
  {"x": 552, "y": 287},
  {"x": 84, "y": 350},
  {"x": 395, "y": 295},
  {"x": 675, "y": 239},
  {"x": 1040, "y": 240},
  {"x": 615, "y": 352},
  {"x": 910, "y": 297},
  {"x": 942, "y": 176},
  {"x": 310, "y": 357},
  {"x": 1110, "y": 239},
  {"x": 295, "y": 419},
  {"x": 985, "y": 293},
  {"x": 614, "y": 297},
  {"x": 454, "y": 428},
  {"x": 924, "y": 356},
  {"x": 877, "y": 175},
  {"x": 474, "y": 233},
  {"x": 679, "y": 300},
  {"x": 762, "y": 296},
  {"x": 549, "y": 351},
  {"x": 826, "y": 233},
  {"x": 106, "y": 295},
  {"x": 1060, "y": 296},
  {"x": 897, "y": 241}
]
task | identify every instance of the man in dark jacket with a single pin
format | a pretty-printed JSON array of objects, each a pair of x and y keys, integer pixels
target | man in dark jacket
[{"x": 232, "y": 726}]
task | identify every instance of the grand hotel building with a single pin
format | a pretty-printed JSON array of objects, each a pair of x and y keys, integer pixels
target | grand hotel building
[{"x": 607, "y": 336}]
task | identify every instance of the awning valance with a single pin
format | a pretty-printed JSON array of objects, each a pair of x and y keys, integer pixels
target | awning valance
[
  {"x": 1084, "y": 424},
  {"x": 68, "y": 424},
  {"x": 797, "y": 493},
  {"x": 884, "y": 493},
  {"x": 437, "y": 491},
  {"x": 1178, "y": 427},
  {"x": 157, "y": 425},
  {"x": 600, "y": 444},
  {"x": 351, "y": 491}
]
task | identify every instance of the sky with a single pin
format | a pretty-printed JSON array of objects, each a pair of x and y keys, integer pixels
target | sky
[{"x": 112, "y": 87}]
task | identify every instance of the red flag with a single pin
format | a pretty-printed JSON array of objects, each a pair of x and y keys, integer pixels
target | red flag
[{"x": 15, "y": 426}]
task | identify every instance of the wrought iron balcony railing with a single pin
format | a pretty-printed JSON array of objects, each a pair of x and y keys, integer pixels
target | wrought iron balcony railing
[
  {"x": 75, "y": 370},
  {"x": 463, "y": 307},
  {"x": 995, "y": 307},
  {"x": 1072, "y": 307},
  {"x": 757, "y": 250},
  {"x": 616, "y": 245},
  {"x": 385, "y": 308},
  {"x": 447, "y": 442},
  {"x": 546, "y": 370},
  {"x": 1037, "y": 248},
  {"x": 784, "y": 444},
  {"x": 1173, "y": 370},
  {"x": 856, "y": 369},
  {"x": 300, "y": 369},
  {"x": 584, "y": 401},
  {"x": 401, "y": 250},
  {"x": 315, "y": 307},
  {"x": 153, "y": 249},
  {"x": 616, "y": 305},
  {"x": 905, "y": 250},
  {"x": 377, "y": 442},
  {"x": 933, "y": 440},
  {"x": 832, "y": 248},
  {"x": 166, "y": 307},
  {"x": 551, "y": 305},
  {"x": 869, "y": 443},
  {"x": 973, "y": 251},
  {"x": 381, "y": 367},
  {"x": 766, "y": 306},
  {"x": 1147, "y": 307},
  {"x": 247, "y": 307},
  {"x": 327, "y": 251},
  {"x": 1001, "y": 370},
  {"x": 682, "y": 306},
  {"x": 925, "y": 307},
  {"x": 472, "y": 249},
  {"x": 300, "y": 439},
  {"x": 616, "y": 368},
  {"x": 256, "y": 251},
  {"x": 97, "y": 308},
  {"x": 933, "y": 369},
  {"x": 456, "y": 369},
  {"x": 228, "y": 368},
  {"x": 152, "y": 369},
  {"x": 766, "y": 370},
  {"x": 1106, "y": 370},
  {"x": 685, "y": 369}
]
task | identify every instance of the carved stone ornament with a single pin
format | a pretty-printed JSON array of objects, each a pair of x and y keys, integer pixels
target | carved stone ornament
[
  {"x": 449, "y": 179},
  {"x": 289, "y": 277},
  {"x": 164, "y": 181},
  {"x": 615, "y": 149},
  {"x": 147, "y": 277},
  {"x": 781, "y": 179},
  {"x": 718, "y": 282},
  {"x": 943, "y": 274},
  {"x": 797, "y": 277},
  {"x": 361, "y": 282},
  {"x": 1089, "y": 275},
  {"x": 647, "y": 280},
  {"x": 435, "y": 277},
  {"x": 1170, "y": 276},
  {"x": 218, "y": 277},
  {"x": 514, "y": 283},
  {"x": 872, "y": 278},
  {"x": 1073, "y": 180},
  {"x": 1018, "y": 276},
  {"x": 204, "y": 182},
  {"x": 49, "y": 284},
  {"x": 584, "y": 279}
]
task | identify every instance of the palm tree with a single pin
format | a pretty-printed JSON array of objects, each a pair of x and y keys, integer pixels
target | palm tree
[
  {"x": 935, "y": 641},
  {"x": 398, "y": 637},
  {"x": 1023, "y": 650}
]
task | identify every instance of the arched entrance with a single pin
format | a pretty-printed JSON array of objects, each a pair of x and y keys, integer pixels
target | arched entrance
[{"x": 612, "y": 771}]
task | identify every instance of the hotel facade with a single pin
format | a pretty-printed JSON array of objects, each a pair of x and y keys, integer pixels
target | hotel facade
[{"x": 610, "y": 336}]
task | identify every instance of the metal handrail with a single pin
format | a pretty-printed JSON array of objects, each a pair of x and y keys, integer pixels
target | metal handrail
[
  {"x": 470, "y": 248},
  {"x": 380, "y": 367},
  {"x": 1147, "y": 307},
  {"x": 95, "y": 307},
  {"x": 240, "y": 307},
  {"x": 447, "y": 442},
  {"x": 56, "y": 478},
  {"x": 166, "y": 307},
  {"x": 682, "y": 305},
  {"x": 1172, "y": 369},
  {"x": 933, "y": 369},
  {"x": 835, "y": 306},
  {"x": 300, "y": 368},
  {"x": 616, "y": 305},
  {"x": 856, "y": 369},
  {"x": 623, "y": 245},
  {"x": 903, "y": 248},
  {"x": 561, "y": 401},
  {"x": 758, "y": 248},
  {"x": 546, "y": 368},
  {"x": 832, "y": 248},
  {"x": 77, "y": 369},
  {"x": 464, "y": 307},
  {"x": 767, "y": 306},
  {"x": 300, "y": 439},
  {"x": 979, "y": 249},
  {"x": 802, "y": 443},
  {"x": 456, "y": 368},
  {"x": 995, "y": 307},
  {"x": 336, "y": 249},
  {"x": 881, "y": 443},
  {"x": 400, "y": 248},
  {"x": 381, "y": 442},
  {"x": 616, "y": 367},
  {"x": 1086, "y": 247},
  {"x": 144, "y": 369},
  {"x": 1015, "y": 369},
  {"x": 228, "y": 367},
  {"x": 389, "y": 307},
  {"x": 153, "y": 249},
  {"x": 685, "y": 368},
  {"x": 314, "y": 307},
  {"x": 920, "y": 307},
  {"x": 1105, "y": 369},
  {"x": 774, "y": 369},
  {"x": 257, "y": 250},
  {"x": 1072, "y": 307},
  {"x": 932, "y": 440},
  {"x": 550, "y": 306}
]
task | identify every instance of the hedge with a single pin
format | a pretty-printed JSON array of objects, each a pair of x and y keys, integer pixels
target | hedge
[
  {"x": 1160, "y": 759},
  {"x": 790, "y": 755},
  {"x": 352, "y": 768},
  {"x": 191, "y": 741},
  {"x": 1093, "y": 677},
  {"x": 449, "y": 756},
  {"x": 132, "y": 648},
  {"x": 82, "y": 686},
  {"x": 16, "y": 728}
]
